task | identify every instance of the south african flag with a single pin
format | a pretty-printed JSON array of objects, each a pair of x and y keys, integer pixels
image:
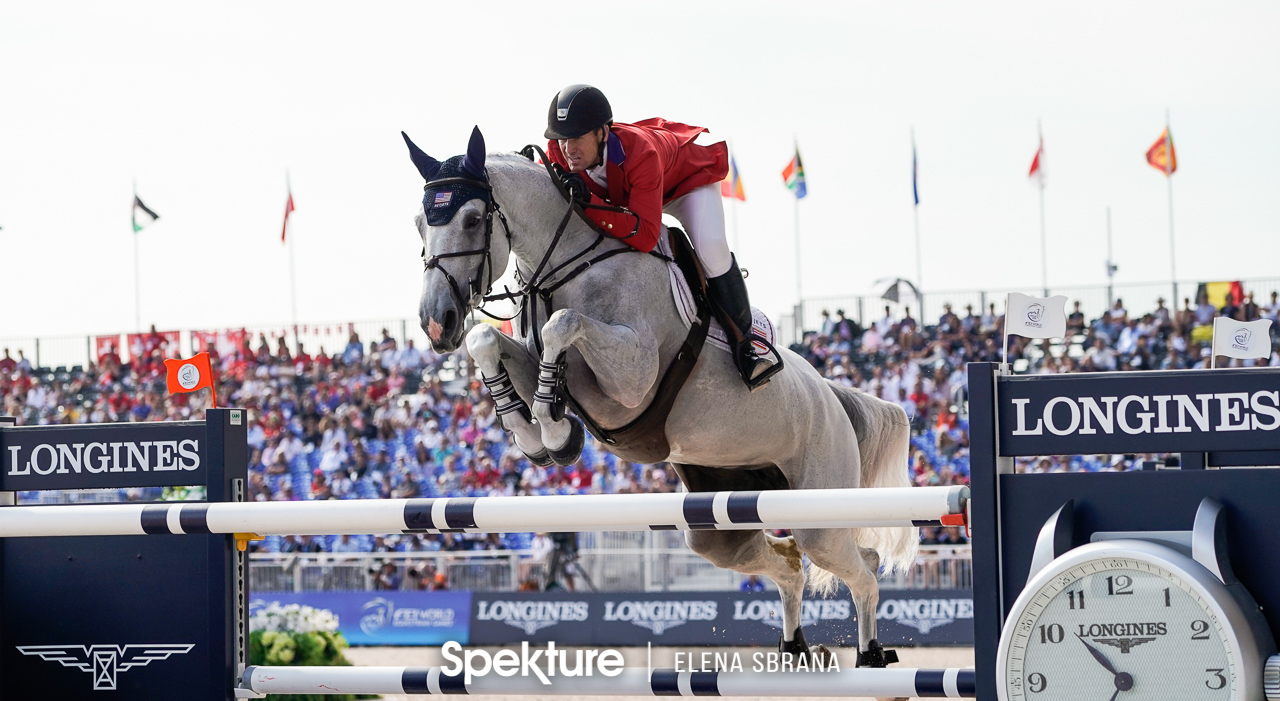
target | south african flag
[{"x": 793, "y": 176}]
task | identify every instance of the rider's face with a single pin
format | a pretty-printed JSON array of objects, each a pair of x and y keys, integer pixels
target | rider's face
[{"x": 582, "y": 152}]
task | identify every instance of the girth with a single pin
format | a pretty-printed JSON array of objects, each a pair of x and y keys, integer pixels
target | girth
[{"x": 644, "y": 439}]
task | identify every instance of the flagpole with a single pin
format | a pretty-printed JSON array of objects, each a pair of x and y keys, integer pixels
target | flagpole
[
  {"x": 1168, "y": 175},
  {"x": 137, "y": 296},
  {"x": 1044, "y": 254},
  {"x": 799, "y": 291},
  {"x": 733, "y": 214},
  {"x": 915, "y": 209},
  {"x": 799, "y": 295},
  {"x": 293, "y": 293},
  {"x": 733, "y": 199}
]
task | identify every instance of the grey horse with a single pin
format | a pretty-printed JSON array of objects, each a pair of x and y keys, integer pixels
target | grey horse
[{"x": 615, "y": 329}]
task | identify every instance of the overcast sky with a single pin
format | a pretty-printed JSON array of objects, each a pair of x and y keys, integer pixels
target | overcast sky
[{"x": 207, "y": 106}]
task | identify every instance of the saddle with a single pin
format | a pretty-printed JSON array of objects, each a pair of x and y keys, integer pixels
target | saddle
[{"x": 644, "y": 440}]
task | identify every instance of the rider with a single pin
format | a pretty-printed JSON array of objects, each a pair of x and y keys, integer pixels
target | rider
[{"x": 652, "y": 167}]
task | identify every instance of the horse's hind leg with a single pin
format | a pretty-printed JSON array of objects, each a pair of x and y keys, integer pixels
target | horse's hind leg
[
  {"x": 757, "y": 552},
  {"x": 836, "y": 551},
  {"x": 625, "y": 366},
  {"x": 508, "y": 371}
]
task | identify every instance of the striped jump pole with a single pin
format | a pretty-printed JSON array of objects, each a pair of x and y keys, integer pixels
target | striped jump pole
[
  {"x": 744, "y": 510},
  {"x": 905, "y": 682}
]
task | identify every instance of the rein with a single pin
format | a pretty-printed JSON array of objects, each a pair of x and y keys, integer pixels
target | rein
[{"x": 540, "y": 284}]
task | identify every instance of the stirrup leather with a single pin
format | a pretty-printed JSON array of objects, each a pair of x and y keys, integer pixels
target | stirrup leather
[{"x": 552, "y": 386}]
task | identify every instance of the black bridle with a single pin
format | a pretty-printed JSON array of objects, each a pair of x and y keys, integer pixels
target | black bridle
[
  {"x": 540, "y": 284},
  {"x": 491, "y": 207}
]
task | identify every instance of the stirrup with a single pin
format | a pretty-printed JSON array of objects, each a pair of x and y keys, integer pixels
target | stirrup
[{"x": 747, "y": 360}]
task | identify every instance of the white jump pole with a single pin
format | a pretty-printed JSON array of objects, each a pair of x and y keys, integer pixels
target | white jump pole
[
  {"x": 808, "y": 508},
  {"x": 905, "y": 682}
]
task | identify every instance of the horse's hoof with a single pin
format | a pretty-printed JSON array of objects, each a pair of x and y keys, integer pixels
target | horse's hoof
[
  {"x": 541, "y": 459},
  {"x": 796, "y": 645},
  {"x": 569, "y": 453},
  {"x": 876, "y": 656}
]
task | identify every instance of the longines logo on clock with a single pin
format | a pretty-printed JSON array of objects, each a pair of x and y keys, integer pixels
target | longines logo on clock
[{"x": 1124, "y": 636}]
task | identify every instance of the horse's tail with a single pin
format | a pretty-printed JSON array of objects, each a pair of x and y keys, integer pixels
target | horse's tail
[{"x": 884, "y": 439}]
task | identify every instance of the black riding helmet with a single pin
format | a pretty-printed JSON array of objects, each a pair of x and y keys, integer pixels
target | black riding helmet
[{"x": 577, "y": 110}]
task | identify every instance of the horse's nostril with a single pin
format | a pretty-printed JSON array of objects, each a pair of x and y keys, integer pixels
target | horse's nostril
[{"x": 450, "y": 322}]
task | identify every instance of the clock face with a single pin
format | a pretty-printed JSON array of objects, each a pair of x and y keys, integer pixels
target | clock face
[{"x": 1117, "y": 628}]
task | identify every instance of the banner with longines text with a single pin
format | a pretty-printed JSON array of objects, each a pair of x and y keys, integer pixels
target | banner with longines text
[
  {"x": 1140, "y": 412},
  {"x": 103, "y": 456},
  {"x": 906, "y": 617}
]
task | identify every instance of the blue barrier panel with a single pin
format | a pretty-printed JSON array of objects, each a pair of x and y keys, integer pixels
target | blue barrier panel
[{"x": 907, "y": 617}]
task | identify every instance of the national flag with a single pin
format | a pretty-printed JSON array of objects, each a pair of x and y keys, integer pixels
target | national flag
[
  {"x": 1162, "y": 155},
  {"x": 190, "y": 375},
  {"x": 142, "y": 215},
  {"x": 793, "y": 176},
  {"x": 915, "y": 173},
  {"x": 288, "y": 208},
  {"x": 731, "y": 186},
  {"x": 1035, "y": 317},
  {"x": 1215, "y": 293},
  {"x": 1037, "y": 167},
  {"x": 1242, "y": 339}
]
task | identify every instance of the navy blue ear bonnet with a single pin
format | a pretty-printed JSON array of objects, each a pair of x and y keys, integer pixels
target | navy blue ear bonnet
[{"x": 441, "y": 203}]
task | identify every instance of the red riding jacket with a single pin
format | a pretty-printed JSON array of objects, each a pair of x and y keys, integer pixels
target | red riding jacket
[{"x": 649, "y": 164}]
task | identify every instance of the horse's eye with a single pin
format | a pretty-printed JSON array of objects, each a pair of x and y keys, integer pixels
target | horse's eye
[{"x": 471, "y": 221}]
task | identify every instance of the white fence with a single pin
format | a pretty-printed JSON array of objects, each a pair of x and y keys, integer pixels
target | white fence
[{"x": 649, "y": 569}]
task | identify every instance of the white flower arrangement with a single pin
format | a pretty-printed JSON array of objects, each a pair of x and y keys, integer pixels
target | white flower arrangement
[{"x": 293, "y": 618}]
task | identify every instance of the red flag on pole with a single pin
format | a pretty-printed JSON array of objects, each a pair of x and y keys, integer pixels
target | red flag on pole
[
  {"x": 190, "y": 375},
  {"x": 1161, "y": 155},
  {"x": 288, "y": 207},
  {"x": 1036, "y": 171}
]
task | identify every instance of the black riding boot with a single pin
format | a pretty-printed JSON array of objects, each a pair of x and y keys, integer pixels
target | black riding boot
[{"x": 729, "y": 293}]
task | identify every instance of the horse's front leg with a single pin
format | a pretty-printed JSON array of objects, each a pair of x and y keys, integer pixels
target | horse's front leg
[
  {"x": 624, "y": 363},
  {"x": 510, "y": 373}
]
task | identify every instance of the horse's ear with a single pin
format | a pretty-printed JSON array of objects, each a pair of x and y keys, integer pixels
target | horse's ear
[
  {"x": 427, "y": 165},
  {"x": 473, "y": 162}
]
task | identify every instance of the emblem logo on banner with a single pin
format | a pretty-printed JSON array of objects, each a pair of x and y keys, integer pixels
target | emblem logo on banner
[
  {"x": 382, "y": 612},
  {"x": 104, "y": 662},
  {"x": 925, "y": 614},
  {"x": 532, "y": 616},
  {"x": 188, "y": 376},
  {"x": 659, "y": 616},
  {"x": 1242, "y": 339},
  {"x": 1035, "y": 312}
]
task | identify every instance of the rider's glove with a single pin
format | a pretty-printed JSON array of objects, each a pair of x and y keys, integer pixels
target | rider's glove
[{"x": 574, "y": 185}]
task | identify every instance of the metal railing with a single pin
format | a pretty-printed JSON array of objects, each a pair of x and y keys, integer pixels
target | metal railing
[
  {"x": 1094, "y": 300},
  {"x": 1138, "y": 297},
  {"x": 611, "y": 569}
]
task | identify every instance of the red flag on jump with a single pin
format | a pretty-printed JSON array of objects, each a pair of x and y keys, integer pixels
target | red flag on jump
[{"x": 190, "y": 375}]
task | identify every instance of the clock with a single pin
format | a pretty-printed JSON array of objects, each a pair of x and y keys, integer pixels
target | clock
[{"x": 1133, "y": 616}]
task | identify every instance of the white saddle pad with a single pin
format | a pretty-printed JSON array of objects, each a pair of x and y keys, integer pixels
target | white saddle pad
[{"x": 683, "y": 299}]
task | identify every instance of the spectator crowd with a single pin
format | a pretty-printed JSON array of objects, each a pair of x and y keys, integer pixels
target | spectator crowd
[{"x": 381, "y": 420}]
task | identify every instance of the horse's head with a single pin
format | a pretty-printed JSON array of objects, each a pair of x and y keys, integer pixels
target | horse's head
[{"x": 461, "y": 255}]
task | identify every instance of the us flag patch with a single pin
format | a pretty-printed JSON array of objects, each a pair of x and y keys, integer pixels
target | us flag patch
[{"x": 442, "y": 199}]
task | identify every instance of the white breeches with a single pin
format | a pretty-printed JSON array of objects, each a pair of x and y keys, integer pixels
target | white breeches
[{"x": 701, "y": 213}]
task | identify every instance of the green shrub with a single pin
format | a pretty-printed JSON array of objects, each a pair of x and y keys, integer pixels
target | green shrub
[{"x": 274, "y": 643}]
